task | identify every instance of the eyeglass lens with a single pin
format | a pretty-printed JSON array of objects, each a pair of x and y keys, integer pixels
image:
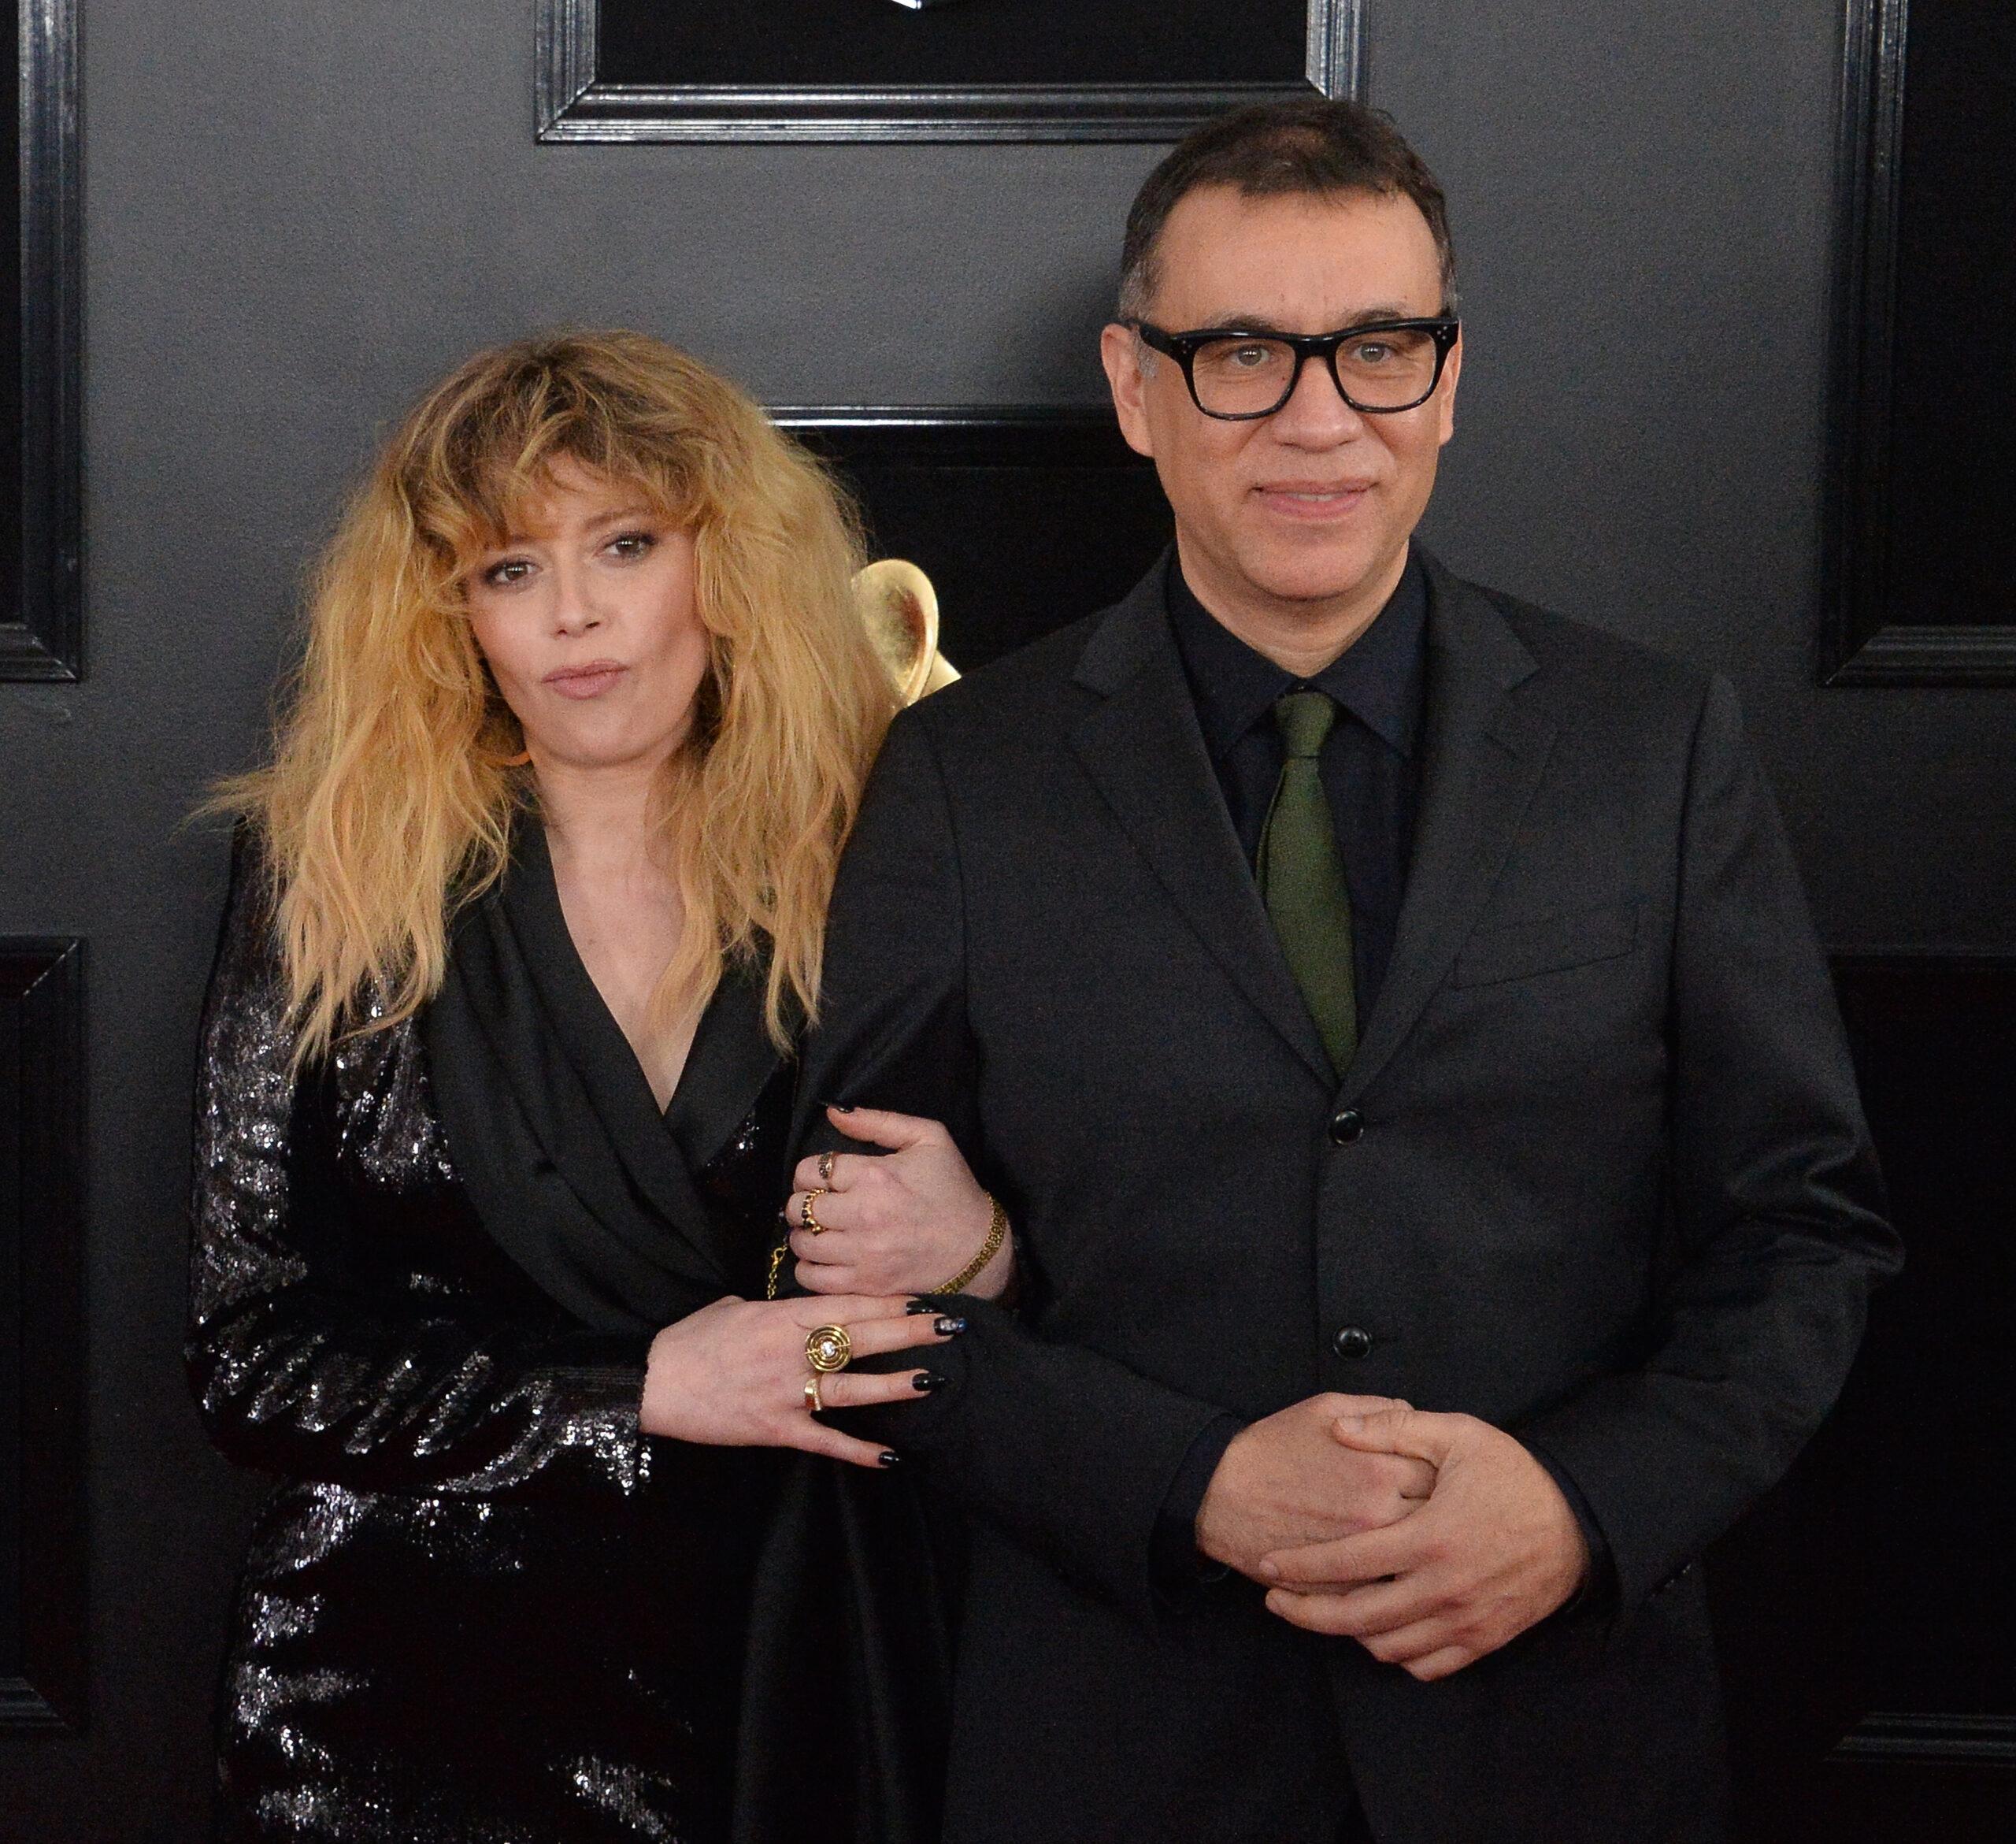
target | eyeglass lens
[{"x": 1244, "y": 376}]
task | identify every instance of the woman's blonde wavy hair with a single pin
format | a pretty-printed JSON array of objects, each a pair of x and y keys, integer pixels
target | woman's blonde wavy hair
[{"x": 391, "y": 796}]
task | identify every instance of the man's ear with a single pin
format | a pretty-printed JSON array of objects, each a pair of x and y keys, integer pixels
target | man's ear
[
  {"x": 1452, "y": 370},
  {"x": 1122, "y": 354}
]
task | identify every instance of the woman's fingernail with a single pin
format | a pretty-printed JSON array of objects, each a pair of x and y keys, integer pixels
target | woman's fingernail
[
  {"x": 889, "y": 1457},
  {"x": 841, "y": 1107},
  {"x": 948, "y": 1327},
  {"x": 915, "y": 1307},
  {"x": 929, "y": 1379}
]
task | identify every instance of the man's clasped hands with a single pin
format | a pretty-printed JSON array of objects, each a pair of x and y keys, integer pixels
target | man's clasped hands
[{"x": 1430, "y": 1539}]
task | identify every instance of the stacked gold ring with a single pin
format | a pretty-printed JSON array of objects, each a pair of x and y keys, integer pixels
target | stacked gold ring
[
  {"x": 828, "y": 1348},
  {"x": 805, "y": 1216}
]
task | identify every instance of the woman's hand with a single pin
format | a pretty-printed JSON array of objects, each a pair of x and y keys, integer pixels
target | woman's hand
[
  {"x": 905, "y": 1222},
  {"x": 733, "y": 1374}
]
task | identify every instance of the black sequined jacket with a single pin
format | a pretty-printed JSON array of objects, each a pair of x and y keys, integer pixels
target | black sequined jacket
[{"x": 482, "y": 1604}]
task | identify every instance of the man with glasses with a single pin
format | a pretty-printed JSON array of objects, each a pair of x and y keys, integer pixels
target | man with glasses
[{"x": 1361, "y": 987}]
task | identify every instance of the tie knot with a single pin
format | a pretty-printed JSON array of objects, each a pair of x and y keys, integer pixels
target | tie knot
[{"x": 1304, "y": 719}]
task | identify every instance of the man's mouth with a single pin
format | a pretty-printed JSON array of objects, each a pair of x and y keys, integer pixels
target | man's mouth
[{"x": 1315, "y": 496}]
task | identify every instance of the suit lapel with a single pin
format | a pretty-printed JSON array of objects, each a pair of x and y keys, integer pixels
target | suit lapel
[
  {"x": 1142, "y": 748},
  {"x": 1485, "y": 750}
]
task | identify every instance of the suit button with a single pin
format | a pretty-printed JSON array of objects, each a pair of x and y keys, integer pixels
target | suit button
[
  {"x": 1352, "y": 1343},
  {"x": 1347, "y": 1127}
]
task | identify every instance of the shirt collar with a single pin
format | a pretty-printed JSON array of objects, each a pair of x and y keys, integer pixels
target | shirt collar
[{"x": 1377, "y": 678}]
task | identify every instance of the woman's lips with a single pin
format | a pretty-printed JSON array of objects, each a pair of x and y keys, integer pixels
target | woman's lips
[{"x": 586, "y": 681}]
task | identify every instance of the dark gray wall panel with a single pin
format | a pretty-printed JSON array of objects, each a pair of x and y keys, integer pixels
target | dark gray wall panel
[
  {"x": 296, "y": 215},
  {"x": 1628, "y": 185}
]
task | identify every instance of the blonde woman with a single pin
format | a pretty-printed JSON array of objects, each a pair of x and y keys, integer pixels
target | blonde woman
[{"x": 525, "y": 914}]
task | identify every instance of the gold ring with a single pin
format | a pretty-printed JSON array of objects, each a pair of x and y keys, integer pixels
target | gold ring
[
  {"x": 811, "y": 1223},
  {"x": 828, "y": 1349},
  {"x": 826, "y": 1166},
  {"x": 811, "y": 1400}
]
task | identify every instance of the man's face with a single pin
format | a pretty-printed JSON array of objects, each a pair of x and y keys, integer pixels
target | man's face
[{"x": 1309, "y": 509}]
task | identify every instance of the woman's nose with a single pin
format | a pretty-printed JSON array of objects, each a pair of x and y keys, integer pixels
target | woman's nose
[{"x": 575, "y": 608}]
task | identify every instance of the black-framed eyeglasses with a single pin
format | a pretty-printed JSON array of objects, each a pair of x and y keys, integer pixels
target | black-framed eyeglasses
[{"x": 1378, "y": 368}]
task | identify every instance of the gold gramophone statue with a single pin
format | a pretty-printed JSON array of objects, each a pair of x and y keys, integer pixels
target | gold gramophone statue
[{"x": 901, "y": 610}]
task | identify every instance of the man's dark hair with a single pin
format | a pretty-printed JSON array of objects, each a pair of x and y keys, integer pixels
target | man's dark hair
[{"x": 1311, "y": 146}]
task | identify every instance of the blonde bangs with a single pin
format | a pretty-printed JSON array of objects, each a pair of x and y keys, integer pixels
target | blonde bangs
[{"x": 391, "y": 794}]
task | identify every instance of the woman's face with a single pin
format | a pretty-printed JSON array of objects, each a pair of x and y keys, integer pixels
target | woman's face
[{"x": 587, "y": 617}]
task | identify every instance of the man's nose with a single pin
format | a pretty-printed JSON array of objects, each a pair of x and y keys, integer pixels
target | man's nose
[{"x": 1316, "y": 413}]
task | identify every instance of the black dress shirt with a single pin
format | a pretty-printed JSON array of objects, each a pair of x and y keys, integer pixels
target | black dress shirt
[{"x": 1370, "y": 759}]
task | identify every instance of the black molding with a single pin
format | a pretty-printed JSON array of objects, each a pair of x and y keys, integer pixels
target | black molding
[
  {"x": 1859, "y": 645},
  {"x": 1932, "y": 1030},
  {"x": 42, "y": 638},
  {"x": 42, "y": 1286},
  {"x": 573, "y": 103},
  {"x": 951, "y": 435},
  {"x": 1893, "y": 1737}
]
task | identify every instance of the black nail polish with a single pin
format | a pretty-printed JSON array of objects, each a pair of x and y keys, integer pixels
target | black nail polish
[
  {"x": 888, "y": 1458},
  {"x": 915, "y": 1307},
  {"x": 840, "y": 1106},
  {"x": 948, "y": 1327},
  {"x": 929, "y": 1379}
]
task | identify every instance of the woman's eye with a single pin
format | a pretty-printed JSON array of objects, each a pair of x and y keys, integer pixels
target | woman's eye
[
  {"x": 506, "y": 571},
  {"x": 632, "y": 544}
]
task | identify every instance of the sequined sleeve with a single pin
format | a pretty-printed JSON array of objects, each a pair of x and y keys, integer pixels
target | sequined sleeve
[{"x": 307, "y": 1362}]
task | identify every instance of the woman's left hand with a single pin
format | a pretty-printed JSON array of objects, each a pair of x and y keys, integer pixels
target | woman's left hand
[{"x": 904, "y": 1221}]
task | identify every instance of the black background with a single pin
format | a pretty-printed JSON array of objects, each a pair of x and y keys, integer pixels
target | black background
[
  {"x": 1021, "y": 527},
  {"x": 1040, "y": 42},
  {"x": 1952, "y": 462},
  {"x": 10, "y": 339}
]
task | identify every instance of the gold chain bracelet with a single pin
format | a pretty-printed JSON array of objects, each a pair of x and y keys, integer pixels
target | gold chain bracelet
[{"x": 997, "y": 1233}]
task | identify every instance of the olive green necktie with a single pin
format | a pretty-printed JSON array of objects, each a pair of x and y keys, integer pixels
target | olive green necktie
[{"x": 1302, "y": 877}]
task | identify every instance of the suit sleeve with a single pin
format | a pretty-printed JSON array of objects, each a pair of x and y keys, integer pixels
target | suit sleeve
[
  {"x": 300, "y": 1367},
  {"x": 1069, "y": 1453},
  {"x": 1777, "y": 1202}
]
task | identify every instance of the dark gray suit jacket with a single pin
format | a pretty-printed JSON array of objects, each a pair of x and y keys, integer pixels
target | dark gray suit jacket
[{"x": 1597, "y": 1175}]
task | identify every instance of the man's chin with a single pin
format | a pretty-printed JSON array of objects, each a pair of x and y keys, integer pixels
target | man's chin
[{"x": 1320, "y": 582}]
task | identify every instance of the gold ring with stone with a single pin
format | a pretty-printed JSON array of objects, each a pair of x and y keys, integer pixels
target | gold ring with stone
[
  {"x": 811, "y": 1223},
  {"x": 828, "y": 1349},
  {"x": 826, "y": 1166},
  {"x": 812, "y": 1398}
]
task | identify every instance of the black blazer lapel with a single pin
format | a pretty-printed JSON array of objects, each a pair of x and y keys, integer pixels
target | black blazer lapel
[
  {"x": 1142, "y": 748},
  {"x": 729, "y": 1065},
  {"x": 620, "y": 1137},
  {"x": 1485, "y": 750}
]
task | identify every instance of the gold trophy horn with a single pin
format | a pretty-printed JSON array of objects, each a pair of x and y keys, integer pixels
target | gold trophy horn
[{"x": 900, "y": 608}]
